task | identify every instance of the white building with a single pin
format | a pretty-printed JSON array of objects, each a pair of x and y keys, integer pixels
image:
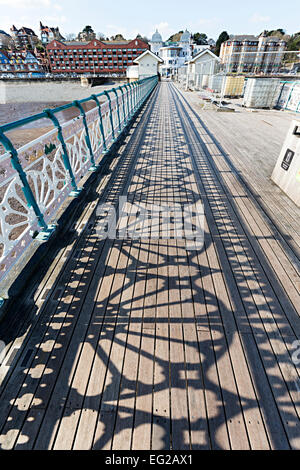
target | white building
[
  {"x": 199, "y": 48},
  {"x": 156, "y": 42},
  {"x": 147, "y": 66},
  {"x": 174, "y": 55},
  {"x": 200, "y": 68},
  {"x": 205, "y": 62}
]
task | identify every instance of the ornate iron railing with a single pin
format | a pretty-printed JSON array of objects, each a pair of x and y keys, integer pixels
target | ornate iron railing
[{"x": 38, "y": 177}]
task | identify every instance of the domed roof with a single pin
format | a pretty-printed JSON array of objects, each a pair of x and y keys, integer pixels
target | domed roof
[
  {"x": 156, "y": 37},
  {"x": 185, "y": 37}
]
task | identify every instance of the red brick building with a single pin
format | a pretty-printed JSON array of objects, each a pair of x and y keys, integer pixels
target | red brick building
[{"x": 99, "y": 57}]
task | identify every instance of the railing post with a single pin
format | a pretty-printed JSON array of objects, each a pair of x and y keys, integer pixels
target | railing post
[
  {"x": 77, "y": 104},
  {"x": 290, "y": 95},
  {"x": 135, "y": 95},
  {"x": 94, "y": 97},
  {"x": 139, "y": 85},
  {"x": 131, "y": 99},
  {"x": 65, "y": 155},
  {"x": 110, "y": 114},
  {"x": 29, "y": 196},
  {"x": 123, "y": 101},
  {"x": 128, "y": 105},
  {"x": 139, "y": 92},
  {"x": 118, "y": 111}
]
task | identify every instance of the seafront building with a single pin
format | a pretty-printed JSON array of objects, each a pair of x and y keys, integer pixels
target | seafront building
[
  {"x": 95, "y": 57},
  {"x": 23, "y": 37},
  {"x": 5, "y": 40},
  {"x": 176, "y": 54},
  {"x": 245, "y": 53},
  {"x": 48, "y": 34},
  {"x": 147, "y": 65},
  {"x": 19, "y": 63}
]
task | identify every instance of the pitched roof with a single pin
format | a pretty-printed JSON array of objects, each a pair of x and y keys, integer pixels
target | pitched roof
[
  {"x": 274, "y": 38},
  {"x": 125, "y": 41},
  {"x": 201, "y": 53},
  {"x": 242, "y": 37},
  {"x": 27, "y": 30},
  {"x": 3, "y": 32},
  {"x": 159, "y": 59},
  {"x": 108, "y": 43}
]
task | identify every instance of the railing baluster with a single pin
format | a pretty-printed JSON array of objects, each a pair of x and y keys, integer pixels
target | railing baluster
[
  {"x": 94, "y": 97},
  {"x": 131, "y": 99},
  {"x": 110, "y": 114},
  {"x": 128, "y": 101},
  {"x": 123, "y": 101},
  {"x": 78, "y": 105},
  {"x": 65, "y": 155},
  {"x": 118, "y": 111},
  {"x": 135, "y": 100}
]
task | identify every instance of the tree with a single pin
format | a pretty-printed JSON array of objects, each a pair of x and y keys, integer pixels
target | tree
[
  {"x": 142, "y": 38},
  {"x": 117, "y": 37},
  {"x": 100, "y": 36},
  {"x": 294, "y": 42},
  {"x": 175, "y": 37},
  {"x": 70, "y": 37},
  {"x": 87, "y": 34},
  {"x": 88, "y": 29},
  {"x": 222, "y": 38},
  {"x": 276, "y": 32},
  {"x": 200, "y": 38},
  {"x": 40, "y": 48}
]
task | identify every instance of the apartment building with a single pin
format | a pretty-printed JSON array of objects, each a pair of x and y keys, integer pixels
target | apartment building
[
  {"x": 20, "y": 63},
  {"x": 246, "y": 53},
  {"x": 99, "y": 57},
  {"x": 48, "y": 34},
  {"x": 5, "y": 40},
  {"x": 23, "y": 37}
]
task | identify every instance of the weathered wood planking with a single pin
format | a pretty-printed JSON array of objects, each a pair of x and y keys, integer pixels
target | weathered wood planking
[{"x": 147, "y": 343}]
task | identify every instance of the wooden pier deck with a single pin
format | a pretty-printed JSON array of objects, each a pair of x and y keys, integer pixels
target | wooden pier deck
[{"x": 146, "y": 343}]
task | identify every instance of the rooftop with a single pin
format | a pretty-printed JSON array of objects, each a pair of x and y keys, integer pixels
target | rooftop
[{"x": 85, "y": 43}]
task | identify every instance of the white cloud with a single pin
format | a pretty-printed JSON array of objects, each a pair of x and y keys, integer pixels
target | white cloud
[
  {"x": 207, "y": 21},
  {"x": 26, "y": 3},
  {"x": 54, "y": 19},
  {"x": 256, "y": 18}
]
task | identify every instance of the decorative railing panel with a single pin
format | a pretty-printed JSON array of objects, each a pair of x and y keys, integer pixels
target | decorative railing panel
[
  {"x": 17, "y": 221},
  {"x": 75, "y": 139},
  {"x": 37, "y": 178},
  {"x": 46, "y": 174}
]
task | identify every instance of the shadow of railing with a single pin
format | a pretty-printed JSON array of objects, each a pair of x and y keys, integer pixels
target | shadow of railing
[{"x": 130, "y": 325}]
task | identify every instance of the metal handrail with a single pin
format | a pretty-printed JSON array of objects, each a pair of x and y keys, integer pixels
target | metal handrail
[{"x": 49, "y": 169}]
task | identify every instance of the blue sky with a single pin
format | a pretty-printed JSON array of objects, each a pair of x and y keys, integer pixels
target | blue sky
[{"x": 130, "y": 17}]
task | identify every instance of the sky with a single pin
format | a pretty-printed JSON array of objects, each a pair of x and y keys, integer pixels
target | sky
[{"x": 130, "y": 17}]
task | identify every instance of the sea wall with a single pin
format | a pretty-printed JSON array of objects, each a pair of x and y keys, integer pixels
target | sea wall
[{"x": 36, "y": 91}]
